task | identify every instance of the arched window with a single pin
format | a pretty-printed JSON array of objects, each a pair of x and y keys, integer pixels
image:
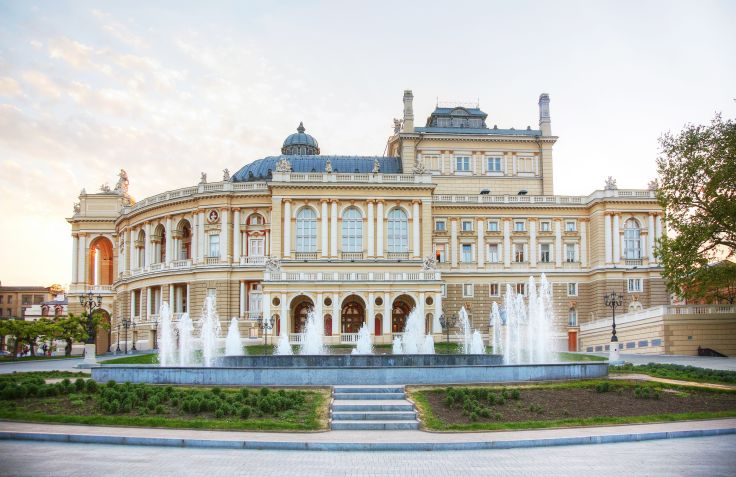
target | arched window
[
  {"x": 306, "y": 230},
  {"x": 632, "y": 240},
  {"x": 572, "y": 316},
  {"x": 255, "y": 219},
  {"x": 352, "y": 230},
  {"x": 398, "y": 231}
]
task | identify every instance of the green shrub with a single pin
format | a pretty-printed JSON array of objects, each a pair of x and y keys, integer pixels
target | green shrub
[
  {"x": 515, "y": 394},
  {"x": 111, "y": 383},
  {"x": 159, "y": 409},
  {"x": 245, "y": 412},
  {"x": 219, "y": 413},
  {"x": 79, "y": 384},
  {"x": 91, "y": 386},
  {"x": 603, "y": 387}
]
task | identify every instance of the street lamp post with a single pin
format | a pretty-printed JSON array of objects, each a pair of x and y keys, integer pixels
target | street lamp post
[
  {"x": 90, "y": 303},
  {"x": 447, "y": 322},
  {"x": 613, "y": 300},
  {"x": 266, "y": 324},
  {"x": 133, "y": 348},
  {"x": 117, "y": 350},
  {"x": 155, "y": 334},
  {"x": 126, "y": 324}
]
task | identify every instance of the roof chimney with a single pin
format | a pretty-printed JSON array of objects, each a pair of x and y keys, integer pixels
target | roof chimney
[
  {"x": 545, "y": 123},
  {"x": 408, "y": 111}
]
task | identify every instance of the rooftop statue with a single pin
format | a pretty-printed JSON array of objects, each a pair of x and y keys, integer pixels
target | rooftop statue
[
  {"x": 397, "y": 125},
  {"x": 328, "y": 167},
  {"x": 419, "y": 167},
  {"x": 273, "y": 264},
  {"x": 611, "y": 183},
  {"x": 429, "y": 264},
  {"x": 203, "y": 178},
  {"x": 77, "y": 208},
  {"x": 225, "y": 175},
  {"x": 376, "y": 166},
  {"x": 105, "y": 188},
  {"x": 283, "y": 166}
]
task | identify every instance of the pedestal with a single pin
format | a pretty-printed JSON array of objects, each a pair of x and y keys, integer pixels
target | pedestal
[
  {"x": 613, "y": 356},
  {"x": 90, "y": 351}
]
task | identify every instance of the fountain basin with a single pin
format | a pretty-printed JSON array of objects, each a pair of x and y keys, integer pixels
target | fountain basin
[{"x": 304, "y": 370}]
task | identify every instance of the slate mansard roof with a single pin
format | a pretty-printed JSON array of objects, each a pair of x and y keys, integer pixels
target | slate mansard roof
[{"x": 262, "y": 169}]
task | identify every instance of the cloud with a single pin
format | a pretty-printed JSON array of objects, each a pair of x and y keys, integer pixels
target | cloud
[
  {"x": 42, "y": 83},
  {"x": 78, "y": 55},
  {"x": 10, "y": 87},
  {"x": 119, "y": 31}
]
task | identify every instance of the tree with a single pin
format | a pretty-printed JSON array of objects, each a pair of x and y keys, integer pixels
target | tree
[
  {"x": 72, "y": 328},
  {"x": 697, "y": 189}
]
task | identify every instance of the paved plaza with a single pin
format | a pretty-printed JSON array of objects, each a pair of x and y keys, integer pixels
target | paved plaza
[
  {"x": 63, "y": 364},
  {"x": 712, "y": 456},
  {"x": 722, "y": 364}
]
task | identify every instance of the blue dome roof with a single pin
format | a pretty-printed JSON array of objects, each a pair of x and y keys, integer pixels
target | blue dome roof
[
  {"x": 300, "y": 138},
  {"x": 262, "y": 169}
]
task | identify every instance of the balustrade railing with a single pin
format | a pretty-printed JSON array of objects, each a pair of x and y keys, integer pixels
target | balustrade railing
[
  {"x": 305, "y": 255},
  {"x": 531, "y": 199},
  {"x": 349, "y": 338},
  {"x": 181, "y": 263},
  {"x": 351, "y": 255},
  {"x": 248, "y": 260},
  {"x": 397, "y": 255},
  {"x": 296, "y": 338},
  {"x": 352, "y": 276}
]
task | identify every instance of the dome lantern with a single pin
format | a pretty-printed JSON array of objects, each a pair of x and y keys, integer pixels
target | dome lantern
[{"x": 300, "y": 143}]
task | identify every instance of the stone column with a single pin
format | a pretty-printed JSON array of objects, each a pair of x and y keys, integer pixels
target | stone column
[
  {"x": 386, "y": 314},
  {"x": 130, "y": 248},
  {"x": 558, "y": 243},
  {"x": 436, "y": 325},
  {"x": 237, "y": 249},
  {"x": 481, "y": 246},
  {"x": 82, "y": 258},
  {"x": 189, "y": 304},
  {"x": 415, "y": 227},
  {"x": 533, "y": 243},
  {"x": 453, "y": 243},
  {"x": 651, "y": 235},
  {"x": 242, "y": 300},
  {"x": 195, "y": 237},
  {"x": 336, "y": 314},
  {"x": 318, "y": 309},
  {"x": 507, "y": 242},
  {"x": 202, "y": 244},
  {"x": 379, "y": 228},
  {"x": 284, "y": 331},
  {"x": 420, "y": 308},
  {"x": 371, "y": 234},
  {"x": 286, "y": 246},
  {"x": 659, "y": 226},
  {"x": 325, "y": 228},
  {"x": 169, "y": 242},
  {"x": 371, "y": 320},
  {"x": 266, "y": 308},
  {"x": 172, "y": 303},
  {"x": 224, "y": 243},
  {"x": 616, "y": 239},
  {"x": 133, "y": 304},
  {"x": 75, "y": 258},
  {"x": 583, "y": 243},
  {"x": 333, "y": 228},
  {"x": 148, "y": 304},
  {"x": 607, "y": 234},
  {"x": 147, "y": 246}
]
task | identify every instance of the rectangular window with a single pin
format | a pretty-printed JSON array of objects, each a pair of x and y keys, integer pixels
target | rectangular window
[
  {"x": 214, "y": 245},
  {"x": 519, "y": 226},
  {"x": 493, "y": 226},
  {"x": 635, "y": 285},
  {"x": 443, "y": 290},
  {"x": 10, "y": 299},
  {"x": 545, "y": 226},
  {"x": 1, "y": 299},
  {"x": 37, "y": 299},
  {"x": 525, "y": 165},
  {"x": 462, "y": 163},
  {"x": 493, "y": 164},
  {"x": 440, "y": 226},
  {"x": 256, "y": 247},
  {"x": 26, "y": 300},
  {"x": 431, "y": 162},
  {"x": 440, "y": 252},
  {"x": 467, "y": 255},
  {"x": 518, "y": 252},
  {"x": 468, "y": 290},
  {"x": 570, "y": 226},
  {"x": 572, "y": 289},
  {"x": 467, "y": 226},
  {"x": 493, "y": 289},
  {"x": 521, "y": 288},
  {"x": 544, "y": 253},
  {"x": 493, "y": 253},
  {"x": 572, "y": 317},
  {"x": 569, "y": 252}
]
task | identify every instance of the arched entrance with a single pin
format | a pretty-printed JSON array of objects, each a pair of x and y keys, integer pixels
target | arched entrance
[
  {"x": 300, "y": 307},
  {"x": 352, "y": 314},
  {"x": 103, "y": 336},
  {"x": 328, "y": 325},
  {"x": 184, "y": 241},
  {"x": 100, "y": 262},
  {"x": 378, "y": 325},
  {"x": 400, "y": 310}
]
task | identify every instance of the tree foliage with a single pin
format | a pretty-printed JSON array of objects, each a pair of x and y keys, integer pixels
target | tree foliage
[{"x": 697, "y": 189}]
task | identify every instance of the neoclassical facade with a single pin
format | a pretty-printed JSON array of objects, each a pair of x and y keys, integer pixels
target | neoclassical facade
[{"x": 457, "y": 211}]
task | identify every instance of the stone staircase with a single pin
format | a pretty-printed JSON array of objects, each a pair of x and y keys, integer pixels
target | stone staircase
[{"x": 371, "y": 408}]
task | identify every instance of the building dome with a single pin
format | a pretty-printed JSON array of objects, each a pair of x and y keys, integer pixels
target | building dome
[{"x": 300, "y": 143}]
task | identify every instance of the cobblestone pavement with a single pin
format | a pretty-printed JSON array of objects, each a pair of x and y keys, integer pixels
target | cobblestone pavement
[{"x": 712, "y": 456}]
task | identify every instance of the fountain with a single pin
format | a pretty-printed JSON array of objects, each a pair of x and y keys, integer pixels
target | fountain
[
  {"x": 476, "y": 344},
  {"x": 209, "y": 332},
  {"x": 472, "y": 340},
  {"x": 283, "y": 348},
  {"x": 364, "y": 345},
  {"x": 233, "y": 345},
  {"x": 414, "y": 340},
  {"x": 186, "y": 340},
  {"x": 525, "y": 335},
  {"x": 313, "y": 335},
  {"x": 166, "y": 348}
]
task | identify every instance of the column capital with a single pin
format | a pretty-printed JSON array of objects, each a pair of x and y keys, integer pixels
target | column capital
[
  {"x": 286, "y": 200},
  {"x": 370, "y": 201},
  {"x": 322, "y": 200},
  {"x": 584, "y": 219},
  {"x": 507, "y": 219},
  {"x": 416, "y": 201},
  {"x": 380, "y": 201},
  {"x": 557, "y": 219}
]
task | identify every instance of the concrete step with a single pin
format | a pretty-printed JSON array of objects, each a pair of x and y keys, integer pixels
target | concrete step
[
  {"x": 368, "y": 396},
  {"x": 372, "y": 405},
  {"x": 374, "y": 415},
  {"x": 368, "y": 389},
  {"x": 374, "y": 425}
]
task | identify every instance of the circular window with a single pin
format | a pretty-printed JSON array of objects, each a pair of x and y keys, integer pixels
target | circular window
[
  {"x": 429, "y": 300},
  {"x": 276, "y": 301},
  {"x": 328, "y": 301},
  {"x": 379, "y": 301}
]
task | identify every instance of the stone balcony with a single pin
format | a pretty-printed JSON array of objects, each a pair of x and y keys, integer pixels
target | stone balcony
[
  {"x": 351, "y": 276},
  {"x": 352, "y": 178},
  {"x": 540, "y": 200}
]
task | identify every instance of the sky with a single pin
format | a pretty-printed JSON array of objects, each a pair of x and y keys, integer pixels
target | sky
[{"x": 167, "y": 89}]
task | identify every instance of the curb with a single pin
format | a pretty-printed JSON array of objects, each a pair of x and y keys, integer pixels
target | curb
[{"x": 357, "y": 446}]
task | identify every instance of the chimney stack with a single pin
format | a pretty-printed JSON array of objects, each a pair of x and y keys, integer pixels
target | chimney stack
[
  {"x": 408, "y": 111},
  {"x": 545, "y": 123}
]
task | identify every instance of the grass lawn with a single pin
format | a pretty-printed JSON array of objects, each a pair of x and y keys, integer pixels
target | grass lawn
[
  {"x": 676, "y": 371},
  {"x": 151, "y": 358},
  {"x": 568, "y": 404},
  {"x": 564, "y": 356},
  {"x": 25, "y": 397}
]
